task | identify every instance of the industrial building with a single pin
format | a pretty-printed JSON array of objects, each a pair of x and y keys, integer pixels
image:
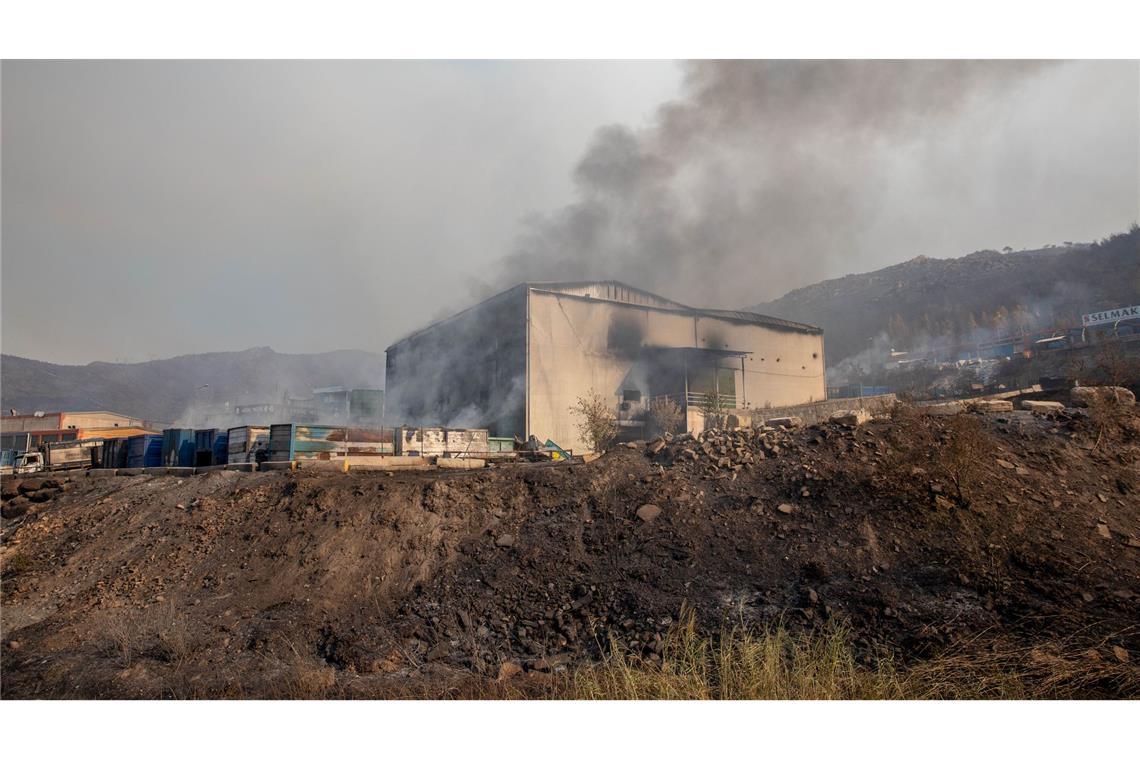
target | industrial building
[
  {"x": 27, "y": 432},
  {"x": 335, "y": 405},
  {"x": 517, "y": 362}
]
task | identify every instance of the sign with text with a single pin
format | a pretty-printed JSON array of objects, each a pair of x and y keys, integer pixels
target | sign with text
[{"x": 1110, "y": 315}]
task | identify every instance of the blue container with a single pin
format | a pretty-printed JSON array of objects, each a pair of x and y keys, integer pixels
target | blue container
[
  {"x": 290, "y": 442},
  {"x": 205, "y": 440},
  {"x": 221, "y": 448},
  {"x": 210, "y": 447},
  {"x": 144, "y": 450},
  {"x": 178, "y": 447},
  {"x": 115, "y": 453}
]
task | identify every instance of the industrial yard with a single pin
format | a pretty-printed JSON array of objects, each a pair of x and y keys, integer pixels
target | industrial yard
[
  {"x": 510, "y": 580},
  {"x": 634, "y": 481},
  {"x": 404, "y": 392}
]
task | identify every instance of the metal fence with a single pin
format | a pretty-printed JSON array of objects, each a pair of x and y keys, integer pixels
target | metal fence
[{"x": 694, "y": 399}]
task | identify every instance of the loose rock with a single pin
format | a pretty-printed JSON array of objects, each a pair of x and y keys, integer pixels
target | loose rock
[{"x": 649, "y": 512}]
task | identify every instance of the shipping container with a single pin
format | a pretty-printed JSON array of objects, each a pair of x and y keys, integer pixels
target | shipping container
[
  {"x": 146, "y": 450},
  {"x": 438, "y": 441},
  {"x": 210, "y": 447},
  {"x": 243, "y": 443},
  {"x": 115, "y": 453},
  {"x": 96, "y": 453},
  {"x": 178, "y": 447},
  {"x": 290, "y": 442},
  {"x": 221, "y": 448}
]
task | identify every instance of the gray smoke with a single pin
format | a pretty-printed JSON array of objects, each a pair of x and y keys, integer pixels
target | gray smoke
[{"x": 762, "y": 176}]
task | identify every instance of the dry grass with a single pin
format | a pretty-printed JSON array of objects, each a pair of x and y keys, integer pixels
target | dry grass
[
  {"x": 739, "y": 664},
  {"x": 777, "y": 664},
  {"x": 159, "y": 633}
]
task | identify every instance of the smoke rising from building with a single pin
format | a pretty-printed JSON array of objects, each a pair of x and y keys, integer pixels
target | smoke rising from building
[{"x": 771, "y": 174}]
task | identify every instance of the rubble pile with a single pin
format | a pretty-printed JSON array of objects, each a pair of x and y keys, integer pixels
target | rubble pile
[
  {"x": 232, "y": 584},
  {"x": 721, "y": 451},
  {"x": 725, "y": 452}
]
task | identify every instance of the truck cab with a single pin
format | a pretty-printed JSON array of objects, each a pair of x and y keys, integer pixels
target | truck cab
[{"x": 29, "y": 461}]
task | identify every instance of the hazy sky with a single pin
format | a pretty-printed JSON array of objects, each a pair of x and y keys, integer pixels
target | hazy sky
[{"x": 154, "y": 209}]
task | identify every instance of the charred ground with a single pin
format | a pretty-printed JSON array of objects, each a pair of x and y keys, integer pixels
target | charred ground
[{"x": 285, "y": 584}]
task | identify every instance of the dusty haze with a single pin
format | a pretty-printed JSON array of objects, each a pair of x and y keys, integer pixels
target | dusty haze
[{"x": 189, "y": 206}]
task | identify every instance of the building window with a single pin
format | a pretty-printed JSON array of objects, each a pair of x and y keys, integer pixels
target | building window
[{"x": 631, "y": 396}]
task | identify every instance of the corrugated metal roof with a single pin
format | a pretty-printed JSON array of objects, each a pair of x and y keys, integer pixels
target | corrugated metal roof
[
  {"x": 661, "y": 302},
  {"x": 610, "y": 290},
  {"x": 760, "y": 319}
]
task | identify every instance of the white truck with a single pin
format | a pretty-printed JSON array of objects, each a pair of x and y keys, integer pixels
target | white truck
[{"x": 66, "y": 455}]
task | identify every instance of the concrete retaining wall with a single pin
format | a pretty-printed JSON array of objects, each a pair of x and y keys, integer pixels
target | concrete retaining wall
[{"x": 821, "y": 411}]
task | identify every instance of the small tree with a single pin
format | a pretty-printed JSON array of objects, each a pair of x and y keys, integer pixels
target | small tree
[
  {"x": 713, "y": 406},
  {"x": 597, "y": 423},
  {"x": 663, "y": 415}
]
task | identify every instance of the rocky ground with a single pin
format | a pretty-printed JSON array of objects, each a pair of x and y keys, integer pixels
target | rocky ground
[{"x": 923, "y": 534}]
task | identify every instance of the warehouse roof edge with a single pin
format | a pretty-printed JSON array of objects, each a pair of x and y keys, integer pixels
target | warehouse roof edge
[{"x": 653, "y": 302}]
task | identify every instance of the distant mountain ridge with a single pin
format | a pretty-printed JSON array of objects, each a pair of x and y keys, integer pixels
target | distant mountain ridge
[
  {"x": 163, "y": 389},
  {"x": 908, "y": 302},
  {"x": 924, "y": 297}
]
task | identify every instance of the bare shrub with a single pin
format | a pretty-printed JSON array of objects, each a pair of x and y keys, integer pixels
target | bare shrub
[
  {"x": 955, "y": 450},
  {"x": 1110, "y": 420},
  {"x": 911, "y": 439},
  {"x": 120, "y": 637},
  {"x": 597, "y": 423},
  {"x": 168, "y": 633},
  {"x": 1109, "y": 365},
  {"x": 663, "y": 415},
  {"x": 964, "y": 448}
]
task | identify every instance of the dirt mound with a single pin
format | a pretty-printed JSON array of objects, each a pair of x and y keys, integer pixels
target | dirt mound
[{"x": 305, "y": 583}]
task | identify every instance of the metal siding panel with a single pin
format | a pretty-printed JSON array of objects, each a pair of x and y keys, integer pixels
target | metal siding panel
[
  {"x": 240, "y": 441},
  {"x": 281, "y": 442},
  {"x": 145, "y": 450},
  {"x": 178, "y": 447}
]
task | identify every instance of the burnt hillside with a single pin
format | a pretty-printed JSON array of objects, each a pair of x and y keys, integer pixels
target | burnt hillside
[{"x": 926, "y": 297}]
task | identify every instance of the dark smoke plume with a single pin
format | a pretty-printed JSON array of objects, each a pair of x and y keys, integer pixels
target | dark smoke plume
[{"x": 750, "y": 185}]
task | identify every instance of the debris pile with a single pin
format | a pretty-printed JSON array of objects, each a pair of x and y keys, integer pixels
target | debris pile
[
  {"x": 232, "y": 584},
  {"x": 724, "y": 452}
]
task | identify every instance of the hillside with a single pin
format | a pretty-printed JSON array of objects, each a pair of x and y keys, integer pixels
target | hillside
[
  {"x": 926, "y": 298},
  {"x": 161, "y": 390}
]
